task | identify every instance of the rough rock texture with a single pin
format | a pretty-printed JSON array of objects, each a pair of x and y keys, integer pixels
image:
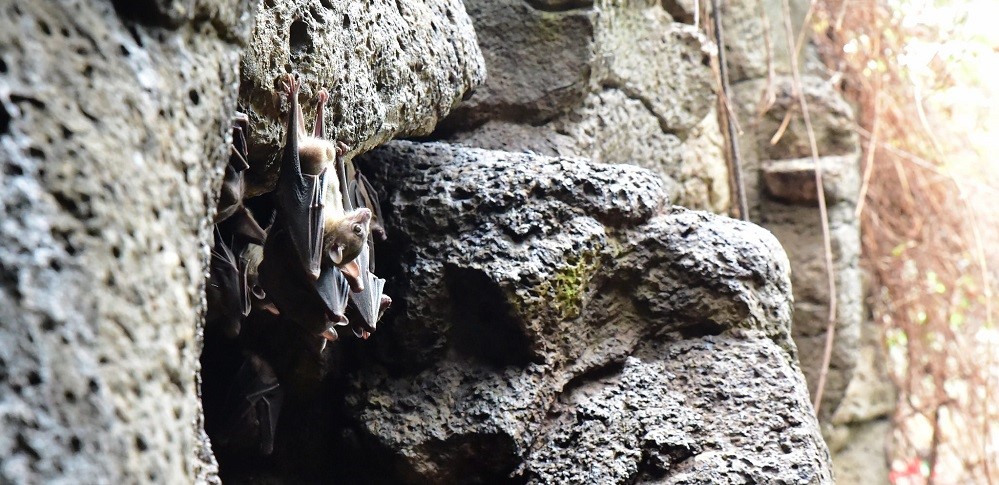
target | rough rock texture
[
  {"x": 392, "y": 67},
  {"x": 113, "y": 130},
  {"x": 620, "y": 82},
  {"x": 559, "y": 323},
  {"x": 114, "y": 123},
  {"x": 782, "y": 198},
  {"x": 781, "y": 192}
]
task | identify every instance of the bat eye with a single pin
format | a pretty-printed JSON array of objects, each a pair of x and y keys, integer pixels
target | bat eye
[{"x": 358, "y": 230}]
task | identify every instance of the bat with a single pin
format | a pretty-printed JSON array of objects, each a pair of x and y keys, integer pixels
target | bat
[
  {"x": 370, "y": 302},
  {"x": 362, "y": 194},
  {"x": 309, "y": 243},
  {"x": 228, "y": 301},
  {"x": 302, "y": 184},
  {"x": 227, "y": 290},
  {"x": 233, "y": 181},
  {"x": 253, "y": 405}
]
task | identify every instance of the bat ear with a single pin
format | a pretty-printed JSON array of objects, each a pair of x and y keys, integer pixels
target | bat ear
[{"x": 336, "y": 254}]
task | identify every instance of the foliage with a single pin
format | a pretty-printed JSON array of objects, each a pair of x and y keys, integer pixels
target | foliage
[{"x": 919, "y": 73}]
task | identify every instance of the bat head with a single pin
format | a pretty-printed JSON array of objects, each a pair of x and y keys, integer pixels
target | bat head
[{"x": 347, "y": 235}]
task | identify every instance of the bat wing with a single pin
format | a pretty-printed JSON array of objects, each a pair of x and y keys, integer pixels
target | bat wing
[
  {"x": 368, "y": 301},
  {"x": 301, "y": 196},
  {"x": 225, "y": 288},
  {"x": 362, "y": 194},
  {"x": 254, "y": 403},
  {"x": 333, "y": 288}
]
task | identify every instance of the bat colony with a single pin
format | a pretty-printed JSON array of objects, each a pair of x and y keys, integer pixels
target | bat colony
[{"x": 287, "y": 284}]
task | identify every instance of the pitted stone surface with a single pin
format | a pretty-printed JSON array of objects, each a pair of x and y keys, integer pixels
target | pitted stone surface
[
  {"x": 393, "y": 69},
  {"x": 112, "y": 133},
  {"x": 616, "y": 83},
  {"x": 559, "y": 323}
]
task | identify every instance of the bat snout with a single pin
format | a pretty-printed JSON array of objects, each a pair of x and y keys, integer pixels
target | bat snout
[{"x": 362, "y": 215}]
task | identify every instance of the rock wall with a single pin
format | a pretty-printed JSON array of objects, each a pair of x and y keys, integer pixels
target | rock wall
[
  {"x": 780, "y": 175},
  {"x": 114, "y": 130},
  {"x": 556, "y": 320},
  {"x": 113, "y": 125},
  {"x": 612, "y": 81},
  {"x": 559, "y": 323}
]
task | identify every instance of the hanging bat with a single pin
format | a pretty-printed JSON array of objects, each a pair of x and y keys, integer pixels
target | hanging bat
[
  {"x": 302, "y": 184},
  {"x": 235, "y": 228},
  {"x": 233, "y": 181},
  {"x": 252, "y": 407},
  {"x": 309, "y": 243},
  {"x": 362, "y": 194},
  {"x": 228, "y": 300}
]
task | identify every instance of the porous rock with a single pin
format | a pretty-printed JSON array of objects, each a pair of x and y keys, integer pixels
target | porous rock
[
  {"x": 559, "y": 322},
  {"x": 113, "y": 126},
  {"x": 618, "y": 82},
  {"x": 392, "y": 68}
]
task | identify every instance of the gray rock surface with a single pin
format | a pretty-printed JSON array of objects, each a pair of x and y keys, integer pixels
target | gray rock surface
[
  {"x": 392, "y": 67},
  {"x": 781, "y": 193},
  {"x": 618, "y": 83},
  {"x": 113, "y": 128},
  {"x": 559, "y": 323}
]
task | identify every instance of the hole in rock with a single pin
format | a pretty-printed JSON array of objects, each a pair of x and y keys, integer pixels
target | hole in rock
[
  {"x": 300, "y": 39},
  {"x": 484, "y": 325}
]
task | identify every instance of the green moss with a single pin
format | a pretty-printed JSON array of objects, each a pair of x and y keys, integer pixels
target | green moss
[{"x": 569, "y": 286}]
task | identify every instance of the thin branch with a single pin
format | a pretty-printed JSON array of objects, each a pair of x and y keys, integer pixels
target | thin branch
[
  {"x": 869, "y": 162},
  {"x": 733, "y": 136},
  {"x": 823, "y": 212}
]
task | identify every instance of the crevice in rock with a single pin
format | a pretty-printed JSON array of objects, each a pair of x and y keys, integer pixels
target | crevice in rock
[
  {"x": 599, "y": 373},
  {"x": 144, "y": 12},
  {"x": 485, "y": 327},
  {"x": 559, "y": 5},
  {"x": 702, "y": 329}
]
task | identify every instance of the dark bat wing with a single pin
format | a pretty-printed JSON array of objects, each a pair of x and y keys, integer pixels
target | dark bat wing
[
  {"x": 294, "y": 295},
  {"x": 244, "y": 227},
  {"x": 301, "y": 198},
  {"x": 254, "y": 405},
  {"x": 334, "y": 290},
  {"x": 369, "y": 301},
  {"x": 233, "y": 184},
  {"x": 226, "y": 288},
  {"x": 231, "y": 194}
]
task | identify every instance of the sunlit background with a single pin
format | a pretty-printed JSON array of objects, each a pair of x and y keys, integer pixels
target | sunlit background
[{"x": 925, "y": 78}]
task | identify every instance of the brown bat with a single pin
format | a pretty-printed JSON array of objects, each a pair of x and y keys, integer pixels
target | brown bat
[
  {"x": 344, "y": 238},
  {"x": 308, "y": 243},
  {"x": 228, "y": 300},
  {"x": 252, "y": 406},
  {"x": 301, "y": 187},
  {"x": 362, "y": 194},
  {"x": 227, "y": 291},
  {"x": 233, "y": 182}
]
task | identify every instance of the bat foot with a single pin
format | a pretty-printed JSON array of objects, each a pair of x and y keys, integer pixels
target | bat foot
[
  {"x": 361, "y": 333},
  {"x": 290, "y": 84},
  {"x": 341, "y": 148},
  {"x": 384, "y": 304}
]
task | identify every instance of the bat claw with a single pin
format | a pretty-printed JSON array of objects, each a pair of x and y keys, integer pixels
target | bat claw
[
  {"x": 341, "y": 148},
  {"x": 290, "y": 83},
  {"x": 330, "y": 335}
]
